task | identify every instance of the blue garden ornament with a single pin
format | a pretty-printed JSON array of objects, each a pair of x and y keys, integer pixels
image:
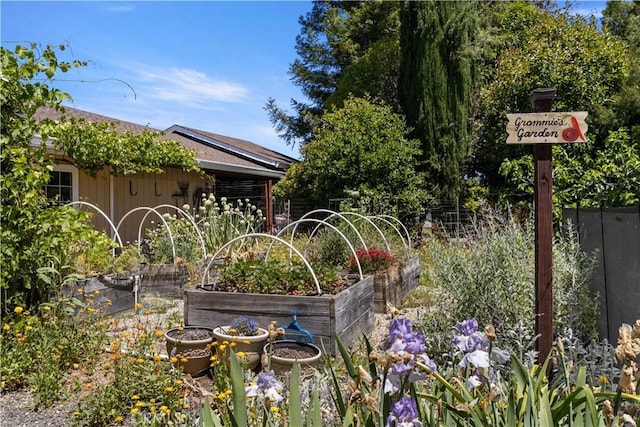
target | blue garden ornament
[{"x": 295, "y": 332}]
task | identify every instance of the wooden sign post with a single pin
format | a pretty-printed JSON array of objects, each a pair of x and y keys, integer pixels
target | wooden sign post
[{"x": 544, "y": 128}]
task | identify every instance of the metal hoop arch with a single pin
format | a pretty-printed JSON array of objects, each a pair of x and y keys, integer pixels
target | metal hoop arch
[
  {"x": 353, "y": 251},
  {"x": 269, "y": 236}
]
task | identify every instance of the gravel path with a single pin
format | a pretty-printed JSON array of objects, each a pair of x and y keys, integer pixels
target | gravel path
[{"x": 16, "y": 407}]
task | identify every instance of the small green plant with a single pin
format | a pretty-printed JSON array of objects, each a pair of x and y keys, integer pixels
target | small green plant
[
  {"x": 158, "y": 247},
  {"x": 127, "y": 262},
  {"x": 278, "y": 277},
  {"x": 221, "y": 222}
]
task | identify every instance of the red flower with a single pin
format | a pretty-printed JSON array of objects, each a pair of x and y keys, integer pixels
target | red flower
[{"x": 371, "y": 260}]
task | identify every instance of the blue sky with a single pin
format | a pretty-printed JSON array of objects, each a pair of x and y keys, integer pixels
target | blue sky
[
  {"x": 206, "y": 65},
  {"x": 209, "y": 65}
]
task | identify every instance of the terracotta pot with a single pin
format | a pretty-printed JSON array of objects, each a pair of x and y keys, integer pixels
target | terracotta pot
[
  {"x": 244, "y": 343},
  {"x": 283, "y": 354},
  {"x": 250, "y": 345},
  {"x": 192, "y": 346}
]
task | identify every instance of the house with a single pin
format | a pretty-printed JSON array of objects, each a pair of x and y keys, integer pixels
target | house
[{"x": 234, "y": 168}]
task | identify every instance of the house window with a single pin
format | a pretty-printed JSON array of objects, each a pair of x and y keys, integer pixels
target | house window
[{"x": 63, "y": 184}]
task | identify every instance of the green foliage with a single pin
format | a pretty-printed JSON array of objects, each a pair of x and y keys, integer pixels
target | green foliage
[
  {"x": 329, "y": 246},
  {"x": 280, "y": 277},
  {"x": 449, "y": 397},
  {"x": 435, "y": 85},
  {"x": 536, "y": 49},
  {"x": 34, "y": 233},
  {"x": 224, "y": 221},
  {"x": 586, "y": 175},
  {"x": 38, "y": 346},
  {"x": 94, "y": 146},
  {"x": 490, "y": 276},
  {"x": 337, "y": 39},
  {"x": 140, "y": 383},
  {"x": 361, "y": 147},
  {"x": 158, "y": 247},
  {"x": 375, "y": 74}
]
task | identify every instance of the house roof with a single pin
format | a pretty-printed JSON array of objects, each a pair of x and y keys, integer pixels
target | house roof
[{"x": 216, "y": 153}]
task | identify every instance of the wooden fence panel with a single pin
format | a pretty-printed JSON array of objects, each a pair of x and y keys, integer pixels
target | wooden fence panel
[{"x": 614, "y": 235}]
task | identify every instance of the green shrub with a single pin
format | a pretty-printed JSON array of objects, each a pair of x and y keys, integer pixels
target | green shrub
[{"x": 490, "y": 275}]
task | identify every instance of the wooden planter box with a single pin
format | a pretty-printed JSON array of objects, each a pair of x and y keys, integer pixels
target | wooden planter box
[
  {"x": 347, "y": 315},
  {"x": 392, "y": 286},
  {"x": 114, "y": 296},
  {"x": 164, "y": 280}
]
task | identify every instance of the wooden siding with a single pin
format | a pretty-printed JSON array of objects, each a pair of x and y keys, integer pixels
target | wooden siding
[
  {"x": 151, "y": 190},
  {"x": 96, "y": 191}
]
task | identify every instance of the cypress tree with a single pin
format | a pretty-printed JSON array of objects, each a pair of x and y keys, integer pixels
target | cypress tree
[{"x": 435, "y": 85}]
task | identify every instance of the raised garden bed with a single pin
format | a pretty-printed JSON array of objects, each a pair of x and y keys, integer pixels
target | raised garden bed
[
  {"x": 164, "y": 280},
  {"x": 111, "y": 294},
  {"x": 348, "y": 314},
  {"x": 393, "y": 285}
]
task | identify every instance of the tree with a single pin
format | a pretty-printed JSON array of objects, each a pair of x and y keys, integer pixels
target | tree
[
  {"x": 622, "y": 19},
  {"x": 34, "y": 233},
  {"x": 436, "y": 82},
  {"x": 334, "y": 35},
  {"x": 543, "y": 49},
  {"x": 361, "y": 147}
]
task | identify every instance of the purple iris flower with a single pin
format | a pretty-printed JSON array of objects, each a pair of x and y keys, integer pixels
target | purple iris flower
[
  {"x": 468, "y": 326},
  {"x": 266, "y": 380},
  {"x": 399, "y": 328},
  {"x": 404, "y": 413},
  {"x": 428, "y": 362},
  {"x": 414, "y": 343}
]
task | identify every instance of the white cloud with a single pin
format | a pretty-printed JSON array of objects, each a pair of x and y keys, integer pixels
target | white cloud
[
  {"x": 119, "y": 7},
  {"x": 190, "y": 87}
]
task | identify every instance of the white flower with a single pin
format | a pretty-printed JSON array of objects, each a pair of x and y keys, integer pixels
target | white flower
[{"x": 478, "y": 358}]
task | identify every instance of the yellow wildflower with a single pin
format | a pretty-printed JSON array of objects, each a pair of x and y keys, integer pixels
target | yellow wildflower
[
  {"x": 18, "y": 309},
  {"x": 135, "y": 410}
]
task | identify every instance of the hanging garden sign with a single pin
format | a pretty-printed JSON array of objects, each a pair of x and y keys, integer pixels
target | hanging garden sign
[{"x": 540, "y": 128}]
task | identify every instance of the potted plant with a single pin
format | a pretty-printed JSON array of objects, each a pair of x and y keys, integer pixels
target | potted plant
[
  {"x": 189, "y": 347},
  {"x": 279, "y": 355},
  {"x": 245, "y": 337},
  {"x": 282, "y": 354}
]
